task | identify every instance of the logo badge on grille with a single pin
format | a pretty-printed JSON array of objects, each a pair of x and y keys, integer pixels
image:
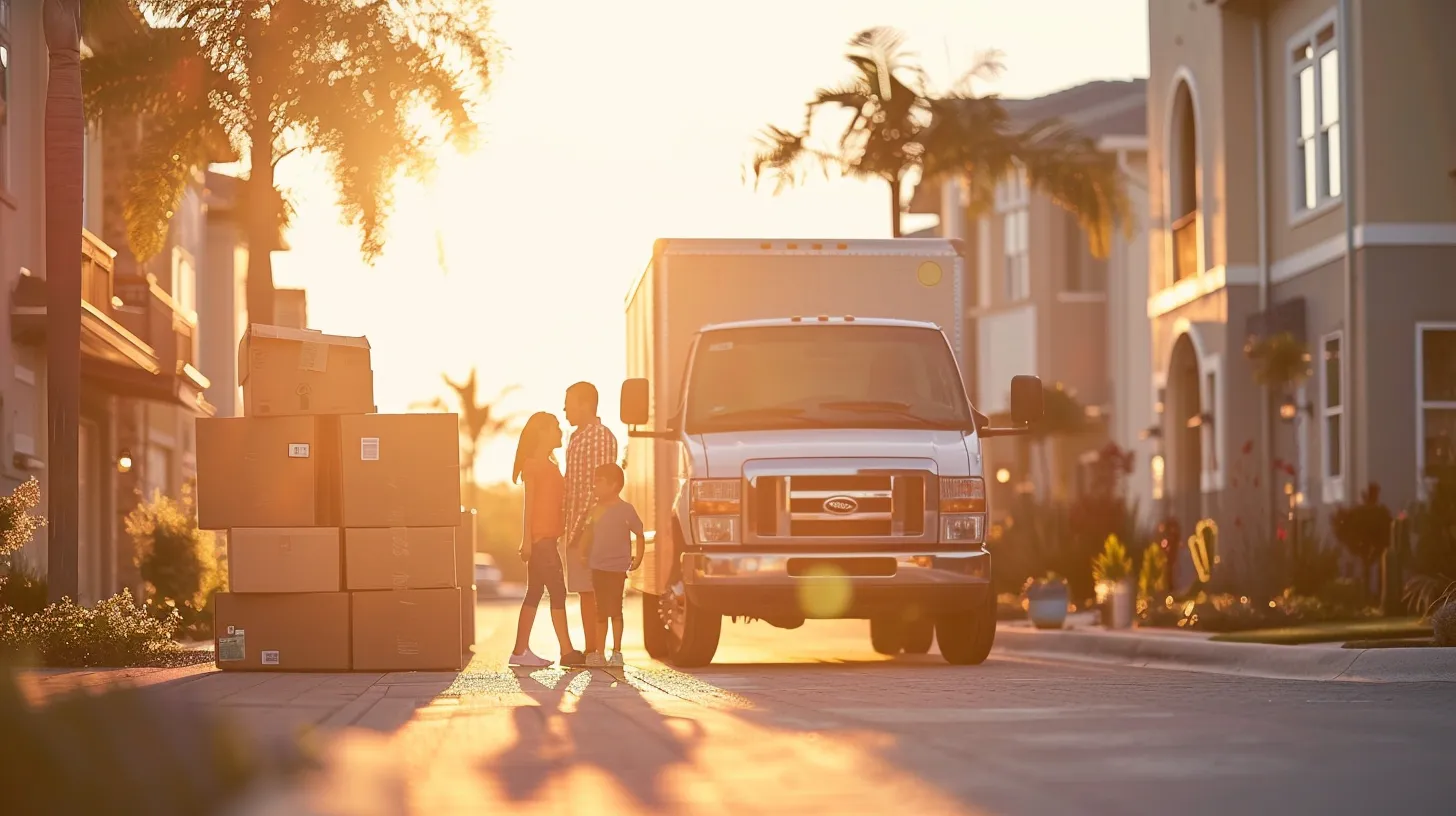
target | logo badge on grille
[{"x": 840, "y": 505}]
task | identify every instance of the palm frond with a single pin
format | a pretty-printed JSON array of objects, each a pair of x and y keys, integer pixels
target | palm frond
[
  {"x": 782, "y": 155},
  {"x": 987, "y": 65},
  {"x": 1068, "y": 167}
]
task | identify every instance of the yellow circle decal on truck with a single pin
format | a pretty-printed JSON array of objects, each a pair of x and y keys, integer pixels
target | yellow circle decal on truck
[{"x": 928, "y": 273}]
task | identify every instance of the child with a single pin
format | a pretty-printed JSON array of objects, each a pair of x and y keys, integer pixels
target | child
[{"x": 610, "y": 553}]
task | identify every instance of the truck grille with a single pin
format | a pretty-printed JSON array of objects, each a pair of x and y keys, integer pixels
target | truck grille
[{"x": 848, "y": 506}]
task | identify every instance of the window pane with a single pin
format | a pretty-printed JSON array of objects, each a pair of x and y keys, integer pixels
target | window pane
[
  {"x": 1438, "y": 358},
  {"x": 1325, "y": 35},
  {"x": 1332, "y": 372},
  {"x": 1310, "y": 177},
  {"x": 1306, "y": 102},
  {"x": 1301, "y": 52},
  {"x": 1333, "y": 450},
  {"x": 1440, "y": 441},
  {"x": 1330, "y": 88},
  {"x": 1333, "y": 181}
]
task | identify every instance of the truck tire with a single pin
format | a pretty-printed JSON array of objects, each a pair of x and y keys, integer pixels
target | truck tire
[
  {"x": 693, "y": 638},
  {"x": 966, "y": 637},
  {"x": 887, "y": 635},
  {"x": 919, "y": 634},
  {"x": 654, "y": 633}
]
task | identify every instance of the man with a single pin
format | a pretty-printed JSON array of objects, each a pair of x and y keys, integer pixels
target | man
[{"x": 592, "y": 445}]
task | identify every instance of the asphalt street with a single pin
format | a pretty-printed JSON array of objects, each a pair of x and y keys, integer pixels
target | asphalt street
[{"x": 789, "y": 720}]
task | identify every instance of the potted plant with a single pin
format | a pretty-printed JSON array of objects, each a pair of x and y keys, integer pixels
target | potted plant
[
  {"x": 1112, "y": 572},
  {"x": 1047, "y": 600}
]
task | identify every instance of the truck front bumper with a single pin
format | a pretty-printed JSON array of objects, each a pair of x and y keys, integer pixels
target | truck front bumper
[{"x": 789, "y": 586}]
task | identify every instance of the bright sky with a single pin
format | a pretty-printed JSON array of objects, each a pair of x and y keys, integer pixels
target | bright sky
[{"x": 611, "y": 125}]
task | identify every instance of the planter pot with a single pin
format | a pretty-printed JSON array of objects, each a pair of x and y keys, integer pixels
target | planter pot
[
  {"x": 1047, "y": 607},
  {"x": 1119, "y": 605}
]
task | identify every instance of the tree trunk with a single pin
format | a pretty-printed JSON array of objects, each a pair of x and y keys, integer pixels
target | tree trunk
[
  {"x": 895, "y": 207},
  {"x": 65, "y": 138},
  {"x": 262, "y": 219}
]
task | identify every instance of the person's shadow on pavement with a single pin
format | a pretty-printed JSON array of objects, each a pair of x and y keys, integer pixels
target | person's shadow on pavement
[{"x": 605, "y": 723}]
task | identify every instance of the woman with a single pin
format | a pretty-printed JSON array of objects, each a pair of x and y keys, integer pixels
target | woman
[{"x": 542, "y": 526}]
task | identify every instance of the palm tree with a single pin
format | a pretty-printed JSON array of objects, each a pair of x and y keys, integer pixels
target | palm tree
[
  {"x": 478, "y": 420},
  {"x": 897, "y": 128},
  {"x": 340, "y": 77},
  {"x": 65, "y": 133}
]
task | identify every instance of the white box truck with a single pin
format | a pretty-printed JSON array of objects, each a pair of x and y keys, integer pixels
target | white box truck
[{"x": 802, "y": 445}]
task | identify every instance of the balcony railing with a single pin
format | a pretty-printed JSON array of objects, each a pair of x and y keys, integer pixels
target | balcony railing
[
  {"x": 150, "y": 313},
  {"x": 97, "y": 275},
  {"x": 1185, "y": 247}
]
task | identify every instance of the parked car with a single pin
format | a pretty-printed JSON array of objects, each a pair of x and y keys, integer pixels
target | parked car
[{"x": 487, "y": 577}]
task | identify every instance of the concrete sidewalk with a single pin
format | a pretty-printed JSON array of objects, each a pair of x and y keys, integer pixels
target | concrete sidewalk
[{"x": 1194, "y": 651}]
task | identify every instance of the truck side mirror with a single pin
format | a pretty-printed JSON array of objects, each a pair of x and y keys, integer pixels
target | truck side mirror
[
  {"x": 1026, "y": 400},
  {"x": 636, "y": 397}
]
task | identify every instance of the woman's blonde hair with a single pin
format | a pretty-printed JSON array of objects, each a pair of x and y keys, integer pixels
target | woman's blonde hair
[{"x": 533, "y": 441}]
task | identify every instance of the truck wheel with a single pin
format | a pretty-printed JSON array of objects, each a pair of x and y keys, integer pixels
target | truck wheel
[
  {"x": 966, "y": 637},
  {"x": 918, "y": 636},
  {"x": 692, "y": 632},
  {"x": 654, "y": 631},
  {"x": 887, "y": 635}
]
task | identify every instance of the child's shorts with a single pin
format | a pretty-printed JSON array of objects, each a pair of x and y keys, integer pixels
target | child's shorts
[{"x": 608, "y": 586}]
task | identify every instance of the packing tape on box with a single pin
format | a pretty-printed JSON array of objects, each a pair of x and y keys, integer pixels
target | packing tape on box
[
  {"x": 399, "y": 580},
  {"x": 399, "y": 542},
  {"x": 313, "y": 357}
]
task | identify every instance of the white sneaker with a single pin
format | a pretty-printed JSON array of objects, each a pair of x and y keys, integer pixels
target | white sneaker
[
  {"x": 595, "y": 661},
  {"x": 529, "y": 659},
  {"x": 616, "y": 660}
]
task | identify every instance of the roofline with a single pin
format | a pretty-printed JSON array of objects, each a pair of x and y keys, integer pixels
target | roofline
[{"x": 774, "y": 322}]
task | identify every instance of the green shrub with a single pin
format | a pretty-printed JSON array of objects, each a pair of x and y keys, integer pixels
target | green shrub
[
  {"x": 1443, "y": 625},
  {"x": 21, "y": 591},
  {"x": 178, "y": 562},
  {"x": 1233, "y": 613},
  {"x": 17, "y": 524},
  {"x": 116, "y": 632},
  {"x": 125, "y": 751},
  {"x": 1153, "y": 575},
  {"x": 1112, "y": 565}
]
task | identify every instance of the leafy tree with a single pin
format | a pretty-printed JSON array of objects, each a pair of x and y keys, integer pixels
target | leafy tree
[
  {"x": 897, "y": 127},
  {"x": 269, "y": 77},
  {"x": 479, "y": 420}
]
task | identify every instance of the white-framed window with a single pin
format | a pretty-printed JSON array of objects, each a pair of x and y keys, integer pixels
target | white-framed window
[
  {"x": 1315, "y": 117},
  {"x": 1212, "y": 434},
  {"x": 184, "y": 281},
  {"x": 1013, "y": 202},
  {"x": 1333, "y": 430},
  {"x": 1435, "y": 400}
]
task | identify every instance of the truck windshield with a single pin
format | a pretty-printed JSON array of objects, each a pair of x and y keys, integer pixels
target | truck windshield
[{"x": 824, "y": 377}]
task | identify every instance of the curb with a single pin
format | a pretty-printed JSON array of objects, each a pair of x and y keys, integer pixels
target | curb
[{"x": 1189, "y": 652}]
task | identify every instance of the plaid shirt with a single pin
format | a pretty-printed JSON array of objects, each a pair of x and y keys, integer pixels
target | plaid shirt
[{"x": 591, "y": 446}]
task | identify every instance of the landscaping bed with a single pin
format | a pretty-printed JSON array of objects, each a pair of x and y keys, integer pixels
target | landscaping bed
[{"x": 1372, "y": 630}]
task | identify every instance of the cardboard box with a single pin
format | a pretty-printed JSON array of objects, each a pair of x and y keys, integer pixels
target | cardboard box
[
  {"x": 284, "y": 559},
  {"x": 407, "y": 630},
  {"x": 400, "y": 470},
  {"x": 399, "y": 558},
  {"x": 282, "y": 632},
  {"x": 294, "y": 372},
  {"x": 465, "y": 568},
  {"x": 267, "y": 472}
]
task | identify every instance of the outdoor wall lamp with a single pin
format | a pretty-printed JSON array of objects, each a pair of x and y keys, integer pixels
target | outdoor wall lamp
[
  {"x": 1199, "y": 420},
  {"x": 1003, "y": 475},
  {"x": 123, "y": 462},
  {"x": 1289, "y": 409}
]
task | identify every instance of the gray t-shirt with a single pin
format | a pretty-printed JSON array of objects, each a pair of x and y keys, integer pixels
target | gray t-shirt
[{"x": 611, "y": 536}]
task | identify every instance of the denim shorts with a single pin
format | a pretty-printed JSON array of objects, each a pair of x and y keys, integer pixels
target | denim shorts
[{"x": 544, "y": 575}]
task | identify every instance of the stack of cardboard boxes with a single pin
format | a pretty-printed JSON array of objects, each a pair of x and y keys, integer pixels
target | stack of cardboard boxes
[{"x": 341, "y": 522}]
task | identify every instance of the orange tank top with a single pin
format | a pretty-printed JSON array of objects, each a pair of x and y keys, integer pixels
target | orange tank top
[{"x": 545, "y": 489}]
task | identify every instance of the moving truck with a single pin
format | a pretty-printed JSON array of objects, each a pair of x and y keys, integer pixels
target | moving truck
[{"x": 802, "y": 446}]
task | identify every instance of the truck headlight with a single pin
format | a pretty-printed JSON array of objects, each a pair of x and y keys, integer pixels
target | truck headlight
[
  {"x": 716, "y": 507},
  {"x": 963, "y": 527}
]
